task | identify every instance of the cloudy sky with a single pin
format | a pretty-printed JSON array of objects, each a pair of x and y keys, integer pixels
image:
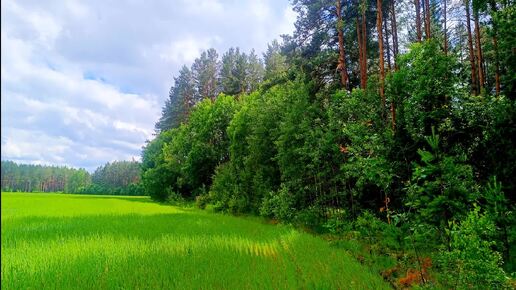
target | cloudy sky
[{"x": 83, "y": 82}]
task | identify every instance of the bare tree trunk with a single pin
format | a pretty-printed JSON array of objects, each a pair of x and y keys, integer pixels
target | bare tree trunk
[
  {"x": 364, "y": 43},
  {"x": 497, "y": 65},
  {"x": 480, "y": 59},
  {"x": 380, "y": 48},
  {"x": 418, "y": 19},
  {"x": 394, "y": 31},
  {"x": 394, "y": 34},
  {"x": 495, "y": 46},
  {"x": 360, "y": 55},
  {"x": 427, "y": 19},
  {"x": 341, "y": 67},
  {"x": 471, "y": 51},
  {"x": 387, "y": 44},
  {"x": 445, "y": 29}
]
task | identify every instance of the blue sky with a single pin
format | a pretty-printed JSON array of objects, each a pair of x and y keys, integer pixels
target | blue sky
[{"x": 83, "y": 82}]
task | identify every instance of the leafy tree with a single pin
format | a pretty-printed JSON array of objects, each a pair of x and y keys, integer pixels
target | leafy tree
[
  {"x": 441, "y": 187},
  {"x": 182, "y": 160}
]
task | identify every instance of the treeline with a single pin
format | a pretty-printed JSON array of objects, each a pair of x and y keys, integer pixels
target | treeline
[
  {"x": 39, "y": 178},
  {"x": 116, "y": 178},
  {"x": 401, "y": 138}
]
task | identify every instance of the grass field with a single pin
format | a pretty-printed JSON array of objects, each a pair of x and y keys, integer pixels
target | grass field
[{"x": 58, "y": 241}]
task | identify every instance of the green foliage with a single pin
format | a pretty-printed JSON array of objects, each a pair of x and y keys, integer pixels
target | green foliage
[
  {"x": 469, "y": 262},
  {"x": 117, "y": 178},
  {"x": 205, "y": 71},
  {"x": 252, "y": 166},
  {"x": 485, "y": 131},
  {"x": 182, "y": 97},
  {"x": 275, "y": 62},
  {"x": 202, "y": 200},
  {"x": 441, "y": 187},
  {"x": 183, "y": 160},
  {"x": 40, "y": 178},
  {"x": 278, "y": 205},
  {"x": 423, "y": 88},
  {"x": 296, "y": 148},
  {"x": 224, "y": 191},
  {"x": 156, "y": 176},
  {"x": 240, "y": 73},
  {"x": 379, "y": 235}
]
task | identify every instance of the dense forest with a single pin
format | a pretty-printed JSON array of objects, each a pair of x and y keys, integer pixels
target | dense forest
[
  {"x": 38, "y": 178},
  {"x": 388, "y": 122},
  {"x": 116, "y": 178}
]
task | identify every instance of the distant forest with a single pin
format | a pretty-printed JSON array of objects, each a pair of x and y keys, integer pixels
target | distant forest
[{"x": 116, "y": 178}]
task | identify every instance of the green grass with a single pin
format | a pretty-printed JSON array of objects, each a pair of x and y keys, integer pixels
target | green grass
[{"x": 58, "y": 241}]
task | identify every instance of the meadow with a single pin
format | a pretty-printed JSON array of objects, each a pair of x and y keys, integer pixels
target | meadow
[{"x": 60, "y": 241}]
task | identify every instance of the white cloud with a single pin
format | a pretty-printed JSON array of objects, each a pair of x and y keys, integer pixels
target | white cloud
[
  {"x": 39, "y": 22},
  {"x": 287, "y": 24},
  {"x": 186, "y": 50},
  {"x": 200, "y": 7},
  {"x": 260, "y": 10}
]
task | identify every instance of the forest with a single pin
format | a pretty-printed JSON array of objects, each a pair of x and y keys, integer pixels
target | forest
[
  {"x": 386, "y": 128},
  {"x": 386, "y": 124},
  {"x": 115, "y": 178}
]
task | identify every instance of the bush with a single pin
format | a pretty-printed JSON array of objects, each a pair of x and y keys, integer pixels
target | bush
[
  {"x": 337, "y": 222},
  {"x": 380, "y": 236},
  {"x": 278, "y": 205},
  {"x": 469, "y": 261},
  {"x": 174, "y": 198},
  {"x": 224, "y": 188},
  {"x": 202, "y": 200}
]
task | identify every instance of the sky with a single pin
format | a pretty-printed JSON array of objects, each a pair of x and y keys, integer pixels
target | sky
[{"x": 83, "y": 82}]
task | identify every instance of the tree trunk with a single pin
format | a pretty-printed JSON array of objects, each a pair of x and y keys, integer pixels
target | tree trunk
[
  {"x": 394, "y": 31},
  {"x": 480, "y": 59},
  {"x": 418, "y": 19},
  {"x": 380, "y": 48},
  {"x": 445, "y": 29},
  {"x": 495, "y": 47},
  {"x": 427, "y": 19},
  {"x": 387, "y": 44},
  {"x": 394, "y": 34},
  {"x": 471, "y": 51},
  {"x": 497, "y": 65},
  {"x": 341, "y": 67},
  {"x": 360, "y": 61},
  {"x": 364, "y": 43},
  {"x": 361, "y": 39}
]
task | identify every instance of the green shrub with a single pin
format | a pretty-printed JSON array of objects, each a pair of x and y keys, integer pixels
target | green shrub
[
  {"x": 337, "y": 222},
  {"x": 278, "y": 205},
  {"x": 202, "y": 200},
  {"x": 224, "y": 188},
  {"x": 469, "y": 262}
]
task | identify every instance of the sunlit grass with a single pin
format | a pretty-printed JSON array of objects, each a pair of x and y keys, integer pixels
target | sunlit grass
[{"x": 57, "y": 241}]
